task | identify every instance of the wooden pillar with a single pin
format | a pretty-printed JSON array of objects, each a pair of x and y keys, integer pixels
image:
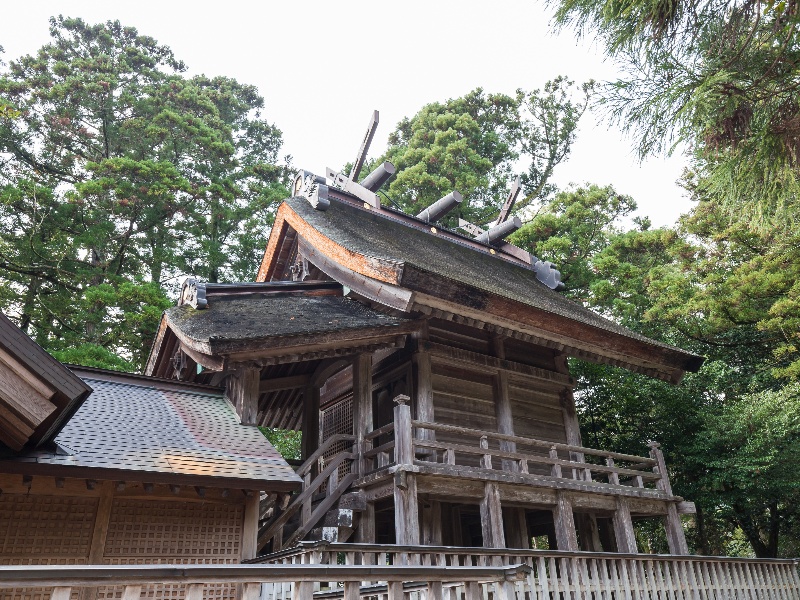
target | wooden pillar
[
  {"x": 423, "y": 401},
  {"x": 502, "y": 403},
  {"x": 365, "y": 534},
  {"x": 97, "y": 545},
  {"x": 492, "y": 517},
  {"x": 623, "y": 527},
  {"x": 676, "y": 537},
  {"x": 516, "y": 524},
  {"x": 564, "y": 520},
  {"x": 406, "y": 510},
  {"x": 588, "y": 532},
  {"x": 432, "y": 523},
  {"x": 241, "y": 390},
  {"x": 250, "y": 526},
  {"x": 310, "y": 441},
  {"x": 456, "y": 526},
  {"x": 571, "y": 424},
  {"x": 362, "y": 403}
]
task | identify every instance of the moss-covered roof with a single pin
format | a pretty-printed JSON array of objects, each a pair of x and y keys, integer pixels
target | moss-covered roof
[
  {"x": 253, "y": 319},
  {"x": 378, "y": 235}
]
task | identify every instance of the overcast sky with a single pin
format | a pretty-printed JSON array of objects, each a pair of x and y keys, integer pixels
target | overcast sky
[{"x": 322, "y": 68}]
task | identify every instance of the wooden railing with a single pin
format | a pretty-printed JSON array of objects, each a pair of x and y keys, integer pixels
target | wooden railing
[
  {"x": 414, "y": 442},
  {"x": 271, "y": 582},
  {"x": 557, "y": 575},
  {"x": 327, "y": 481}
]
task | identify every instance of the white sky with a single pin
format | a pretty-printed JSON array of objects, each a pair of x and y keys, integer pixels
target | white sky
[{"x": 322, "y": 67}]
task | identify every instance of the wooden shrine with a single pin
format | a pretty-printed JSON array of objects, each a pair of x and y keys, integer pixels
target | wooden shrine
[{"x": 427, "y": 370}]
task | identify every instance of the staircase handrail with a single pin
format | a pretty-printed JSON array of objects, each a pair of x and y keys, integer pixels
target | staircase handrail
[
  {"x": 280, "y": 520},
  {"x": 312, "y": 460}
]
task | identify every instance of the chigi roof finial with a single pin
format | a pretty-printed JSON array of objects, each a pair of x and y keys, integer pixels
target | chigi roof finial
[{"x": 316, "y": 189}]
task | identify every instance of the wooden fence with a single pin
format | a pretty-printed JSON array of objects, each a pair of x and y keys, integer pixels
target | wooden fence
[
  {"x": 557, "y": 575},
  {"x": 272, "y": 581}
]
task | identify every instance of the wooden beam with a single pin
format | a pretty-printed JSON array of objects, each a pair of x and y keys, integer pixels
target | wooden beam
[
  {"x": 283, "y": 383},
  {"x": 502, "y": 403},
  {"x": 242, "y": 391}
]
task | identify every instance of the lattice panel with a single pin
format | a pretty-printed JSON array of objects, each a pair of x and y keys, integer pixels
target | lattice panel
[
  {"x": 336, "y": 419},
  {"x": 44, "y": 530},
  {"x": 153, "y": 532}
]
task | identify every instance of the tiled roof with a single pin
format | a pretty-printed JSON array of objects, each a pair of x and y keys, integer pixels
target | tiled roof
[{"x": 163, "y": 433}]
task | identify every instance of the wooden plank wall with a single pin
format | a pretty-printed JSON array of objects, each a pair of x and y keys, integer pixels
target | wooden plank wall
[{"x": 466, "y": 397}]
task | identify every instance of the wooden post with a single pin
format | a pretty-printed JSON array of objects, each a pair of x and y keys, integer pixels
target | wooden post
[
  {"x": 564, "y": 520},
  {"x": 365, "y": 534},
  {"x": 432, "y": 523},
  {"x": 250, "y": 526},
  {"x": 623, "y": 527},
  {"x": 403, "y": 444},
  {"x": 676, "y": 537},
  {"x": 586, "y": 524},
  {"x": 310, "y": 441},
  {"x": 362, "y": 404},
  {"x": 516, "y": 528},
  {"x": 99, "y": 534},
  {"x": 406, "y": 511},
  {"x": 424, "y": 392},
  {"x": 492, "y": 517},
  {"x": 572, "y": 426},
  {"x": 242, "y": 391},
  {"x": 502, "y": 402}
]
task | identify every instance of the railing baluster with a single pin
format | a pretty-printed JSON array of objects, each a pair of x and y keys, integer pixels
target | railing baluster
[
  {"x": 556, "y": 469},
  {"x": 61, "y": 593},
  {"x": 486, "y": 461},
  {"x": 194, "y": 591}
]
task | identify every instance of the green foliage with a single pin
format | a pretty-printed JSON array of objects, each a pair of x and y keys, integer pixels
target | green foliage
[
  {"x": 285, "y": 441},
  {"x": 572, "y": 228},
  {"x": 718, "y": 76},
  {"x": 708, "y": 286},
  {"x": 472, "y": 144},
  {"x": 122, "y": 175}
]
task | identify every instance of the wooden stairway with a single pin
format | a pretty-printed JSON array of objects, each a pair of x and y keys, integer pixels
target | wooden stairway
[{"x": 316, "y": 508}]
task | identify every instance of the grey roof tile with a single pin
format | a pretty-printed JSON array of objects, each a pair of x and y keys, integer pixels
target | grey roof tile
[{"x": 140, "y": 428}]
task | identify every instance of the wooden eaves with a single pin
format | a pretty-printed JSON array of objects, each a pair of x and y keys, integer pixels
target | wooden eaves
[{"x": 401, "y": 281}]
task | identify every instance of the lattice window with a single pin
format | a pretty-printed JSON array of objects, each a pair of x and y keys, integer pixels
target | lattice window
[{"x": 337, "y": 419}]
